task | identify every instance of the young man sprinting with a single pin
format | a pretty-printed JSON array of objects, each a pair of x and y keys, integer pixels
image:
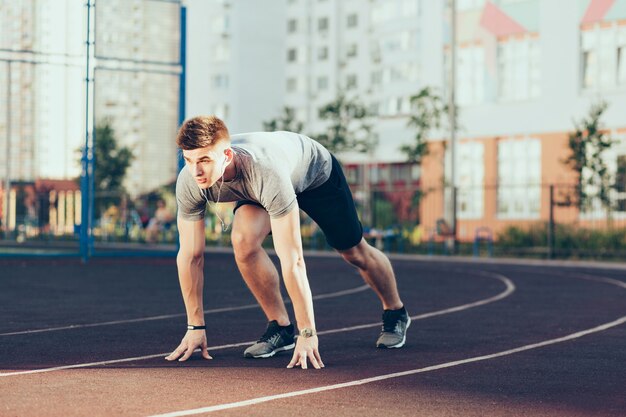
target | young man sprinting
[{"x": 271, "y": 176}]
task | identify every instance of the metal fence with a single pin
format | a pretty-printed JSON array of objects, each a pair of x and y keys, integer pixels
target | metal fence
[{"x": 542, "y": 221}]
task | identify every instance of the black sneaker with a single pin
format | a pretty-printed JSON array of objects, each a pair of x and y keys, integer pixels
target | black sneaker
[
  {"x": 275, "y": 339},
  {"x": 395, "y": 324}
]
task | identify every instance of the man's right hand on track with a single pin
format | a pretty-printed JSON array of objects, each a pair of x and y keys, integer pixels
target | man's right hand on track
[{"x": 193, "y": 339}]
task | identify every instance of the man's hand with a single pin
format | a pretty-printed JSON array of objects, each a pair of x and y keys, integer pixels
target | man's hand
[
  {"x": 306, "y": 347},
  {"x": 192, "y": 340}
]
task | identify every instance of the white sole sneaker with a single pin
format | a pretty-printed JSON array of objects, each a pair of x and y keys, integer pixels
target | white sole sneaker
[
  {"x": 272, "y": 353},
  {"x": 398, "y": 345}
]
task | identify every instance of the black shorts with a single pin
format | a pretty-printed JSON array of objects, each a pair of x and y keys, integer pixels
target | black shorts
[{"x": 330, "y": 206}]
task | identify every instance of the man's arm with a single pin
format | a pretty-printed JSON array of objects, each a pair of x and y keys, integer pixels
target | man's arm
[
  {"x": 288, "y": 245},
  {"x": 190, "y": 262}
]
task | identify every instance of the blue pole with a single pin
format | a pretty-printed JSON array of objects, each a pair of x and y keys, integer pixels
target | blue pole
[
  {"x": 84, "y": 180},
  {"x": 183, "y": 73}
]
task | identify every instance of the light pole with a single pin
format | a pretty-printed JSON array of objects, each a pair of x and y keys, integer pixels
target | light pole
[
  {"x": 7, "y": 178},
  {"x": 452, "y": 117}
]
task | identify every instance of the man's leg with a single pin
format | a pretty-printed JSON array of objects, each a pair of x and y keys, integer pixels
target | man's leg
[
  {"x": 250, "y": 227},
  {"x": 376, "y": 270}
]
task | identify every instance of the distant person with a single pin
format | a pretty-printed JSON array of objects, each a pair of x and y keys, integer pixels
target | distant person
[
  {"x": 271, "y": 176},
  {"x": 160, "y": 222}
]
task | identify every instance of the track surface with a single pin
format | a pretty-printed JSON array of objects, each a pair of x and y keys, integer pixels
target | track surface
[{"x": 460, "y": 357}]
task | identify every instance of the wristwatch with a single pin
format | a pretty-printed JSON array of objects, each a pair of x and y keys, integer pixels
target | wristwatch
[{"x": 307, "y": 332}]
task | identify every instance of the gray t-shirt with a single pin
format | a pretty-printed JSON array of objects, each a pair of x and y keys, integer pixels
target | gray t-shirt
[{"x": 272, "y": 167}]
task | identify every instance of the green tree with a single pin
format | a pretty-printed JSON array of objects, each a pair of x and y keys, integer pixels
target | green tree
[
  {"x": 111, "y": 163},
  {"x": 286, "y": 121},
  {"x": 428, "y": 115},
  {"x": 348, "y": 126},
  {"x": 587, "y": 145}
]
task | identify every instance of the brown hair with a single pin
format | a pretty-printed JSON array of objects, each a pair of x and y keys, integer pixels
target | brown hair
[{"x": 201, "y": 131}]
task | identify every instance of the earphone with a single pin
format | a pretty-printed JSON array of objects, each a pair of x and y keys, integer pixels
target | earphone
[{"x": 219, "y": 191}]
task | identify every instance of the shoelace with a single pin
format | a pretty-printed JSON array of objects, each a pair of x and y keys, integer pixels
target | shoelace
[
  {"x": 269, "y": 334},
  {"x": 391, "y": 324}
]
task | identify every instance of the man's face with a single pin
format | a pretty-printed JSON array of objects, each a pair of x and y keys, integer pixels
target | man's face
[{"x": 206, "y": 164}]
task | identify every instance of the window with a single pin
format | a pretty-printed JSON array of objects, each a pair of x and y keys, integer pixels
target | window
[
  {"x": 377, "y": 78},
  {"x": 352, "y": 20},
  {"x": 603, "y": 50},
  {"x": 615, "y": 159},
  {"x": 621, "y": 65},
  {"x": 292, "y": 25},
  {"x": 519, "y": 72},
  {"x": 322, "y": 83},
  {"x": 322, "y": 24},
  {"x": 519, "y": 179},
  {"x": 351, "y": 82},
  {"x": 292, "y": 84},
  {"x": 352, "y": 50},
  {"x": 222, "y": 52},
  {"x": 221, "y": 110},
  {"x": 220, "y": 81},
  {"x": 322, "y": 53},
  {"x": 465, "y": 5},
  {"x": 471, "y": 173},
  {"x": 292, "y": 55},
  {"x": 397, "y": 42},
  {"x": 470, "y": 75}
]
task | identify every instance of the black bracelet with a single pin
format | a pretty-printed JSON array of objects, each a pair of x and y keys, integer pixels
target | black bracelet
[{"x": 192, "y": 327}]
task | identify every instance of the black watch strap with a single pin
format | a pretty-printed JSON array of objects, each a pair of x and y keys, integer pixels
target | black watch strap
[{"x": 192, "y": 327}]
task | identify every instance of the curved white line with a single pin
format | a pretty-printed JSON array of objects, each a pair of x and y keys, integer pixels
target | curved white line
[
  {"x": 510, "y": 287},
  {"x": 377, "y": 378},
  {"x": 259, "y": 400},
  {"x": 170, "y": 316}
]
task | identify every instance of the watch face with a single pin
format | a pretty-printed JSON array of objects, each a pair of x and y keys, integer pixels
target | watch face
[{"x": 306, "y": 332}]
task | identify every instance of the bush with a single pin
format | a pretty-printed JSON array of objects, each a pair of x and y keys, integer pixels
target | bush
[{"x": 569, "y": 240}]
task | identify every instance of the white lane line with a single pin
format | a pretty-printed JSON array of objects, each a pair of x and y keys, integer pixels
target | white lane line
[
  {"x": 170, "y": 316},
  {"x": 259, "y": 400},
  {"x": 510, "y": 287}
]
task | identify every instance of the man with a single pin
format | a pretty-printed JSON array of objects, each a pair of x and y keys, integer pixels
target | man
[{"x": 271, "y": 176}]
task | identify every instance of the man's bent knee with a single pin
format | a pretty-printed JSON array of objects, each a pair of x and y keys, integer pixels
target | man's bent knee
[
  {"x": 245, "y": 245},
  {"x": 356, "y": 255}
]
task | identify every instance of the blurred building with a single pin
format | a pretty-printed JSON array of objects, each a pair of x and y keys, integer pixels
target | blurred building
[
  {"x": 235, "y": 61},
  {"x": 526, "y": 69},
  {"x": 137, "y": 52},
  {"x": 137, "y": 76}
]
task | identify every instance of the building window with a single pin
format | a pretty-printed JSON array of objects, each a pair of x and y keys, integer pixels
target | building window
[
  {"x": 292, "y": 25},
  {"x": 352, "y": 20},
  {"x": 398, "y": 42},
  {"x": 322, "y": 83},
  {"x": 352, "y": 50},
  {"x": 519, "y": 72},
  {"x": 519, "y": 179},
  {"x": 351, "y": 81},
  {"x": 322, "y": 53},
  {"x": 615, "y": 159},
  {"x": 322, "y": 24},
  {"x": 471, "y": 174},
  {"x": 621, "y": 65},
  {"x": 292, "y": 55},
  {"x": 220, "y": 81},
  {"x": 377, "y": 78},
  {"x": 222, "y": 52},
  {"x": 292, "y": 85},
  {"x": 221, "y": 110},
  {"x": 470, "y": 76},
  {"x": 465, "y": 5},
  {"x": 602, "y": 54}
]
